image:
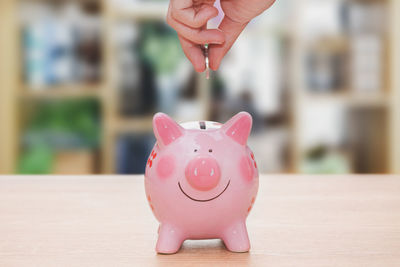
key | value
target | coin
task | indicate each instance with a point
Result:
(207, 61)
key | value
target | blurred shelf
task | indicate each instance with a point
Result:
(137, 10)
(133, 125)
(64, 91)
(351, 99)
(144, 10)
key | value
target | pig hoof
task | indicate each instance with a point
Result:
(169, 240)
(167, 250)
(237, 247)
(236, 238)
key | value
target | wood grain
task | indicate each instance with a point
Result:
(395, 84)
(9, 71)
(106, 221)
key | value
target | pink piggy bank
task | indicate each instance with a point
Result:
(201, 181)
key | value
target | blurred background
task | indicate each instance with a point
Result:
(81, 79)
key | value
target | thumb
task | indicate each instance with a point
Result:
(231, 29)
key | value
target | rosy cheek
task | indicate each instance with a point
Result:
(246, 169)
(165, 166)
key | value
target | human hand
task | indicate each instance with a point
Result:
(189, 18)
(238, 13)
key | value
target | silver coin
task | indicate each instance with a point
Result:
(207, 61)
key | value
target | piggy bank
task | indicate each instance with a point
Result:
(201, 181)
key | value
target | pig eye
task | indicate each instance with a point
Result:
(195, 150)
(210, 150)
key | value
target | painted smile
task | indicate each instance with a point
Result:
(204, 200)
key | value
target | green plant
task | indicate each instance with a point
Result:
(58, 125)
(160, 46)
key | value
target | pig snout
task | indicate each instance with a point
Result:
(203, 173)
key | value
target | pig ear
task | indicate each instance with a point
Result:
(238, 127)
(166, 129)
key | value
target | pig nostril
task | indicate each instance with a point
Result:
(203, 173)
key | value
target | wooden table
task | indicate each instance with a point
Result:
(106, 221)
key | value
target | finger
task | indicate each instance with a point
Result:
(194, 53)
(181, 4)
(231, 30)
(194, 19)
(198, 36)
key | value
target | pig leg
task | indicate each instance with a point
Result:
(236, 238)
(169, 239)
